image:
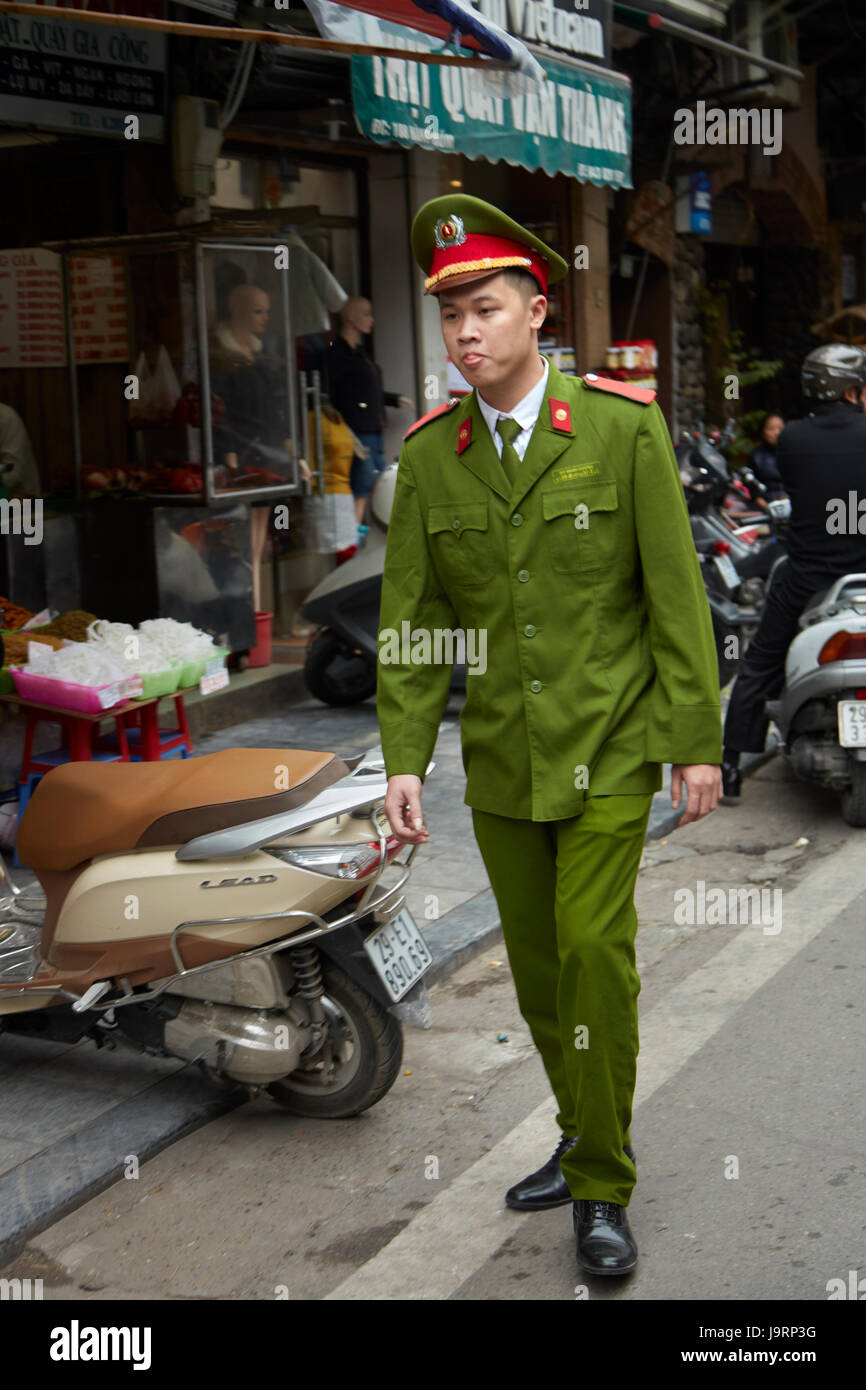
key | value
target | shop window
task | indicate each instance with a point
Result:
(253, 181)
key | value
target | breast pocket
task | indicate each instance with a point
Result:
(460, 542)
(581, 526)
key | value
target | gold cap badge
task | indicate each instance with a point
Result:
(449, 231)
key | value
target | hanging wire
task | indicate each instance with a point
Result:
(239, 81)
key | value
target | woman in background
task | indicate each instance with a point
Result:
(762, 459)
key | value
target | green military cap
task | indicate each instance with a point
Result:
(457, 238)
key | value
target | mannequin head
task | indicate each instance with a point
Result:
(356, 315)
(248, 310)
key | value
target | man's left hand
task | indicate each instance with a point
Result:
(703, 785)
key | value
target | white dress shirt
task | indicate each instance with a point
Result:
(525, 413)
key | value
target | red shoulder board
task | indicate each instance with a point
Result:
(620, 388)
(431, 415)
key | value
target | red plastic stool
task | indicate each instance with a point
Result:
(143, 733)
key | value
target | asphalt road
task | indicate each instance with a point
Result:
(748, 1116)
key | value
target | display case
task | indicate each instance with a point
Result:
(195, 337)
(191, 563)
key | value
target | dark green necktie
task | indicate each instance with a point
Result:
(509, 429)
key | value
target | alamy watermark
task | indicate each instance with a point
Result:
(732, 907)
(22, 518)
(846, 518)
(755, 125)
(438, 646)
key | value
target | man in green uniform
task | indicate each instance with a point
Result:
(544, 515)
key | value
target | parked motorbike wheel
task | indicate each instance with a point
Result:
(337, 675)
(367, 1046)
(854, 798)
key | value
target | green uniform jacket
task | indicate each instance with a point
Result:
(600, 658)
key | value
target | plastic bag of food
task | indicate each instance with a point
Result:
(164, 387)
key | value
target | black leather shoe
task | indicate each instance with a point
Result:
(547, 1187)
(731, 780)
(605, 1244)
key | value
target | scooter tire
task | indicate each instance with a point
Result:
(854, 799)
(322, 672)
(380, 1042)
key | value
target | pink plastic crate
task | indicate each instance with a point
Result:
(87, 699)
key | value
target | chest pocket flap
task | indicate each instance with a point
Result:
(594, 545)
(456, 517)
(460, 542)
(597, 497)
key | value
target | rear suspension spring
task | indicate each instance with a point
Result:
(308, 971)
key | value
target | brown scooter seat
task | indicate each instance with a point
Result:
(83, 809)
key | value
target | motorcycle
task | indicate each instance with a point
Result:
(190, 910)
(737, 549)
(340, 668)
(821, 713)
(715, 502)
(736, 590)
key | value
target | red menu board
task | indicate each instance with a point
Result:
(32, 323)
(97, 296)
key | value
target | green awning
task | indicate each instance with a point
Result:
(578, 123)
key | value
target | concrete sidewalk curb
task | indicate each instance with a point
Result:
(48, 1186)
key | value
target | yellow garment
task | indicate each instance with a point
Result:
(338, 446)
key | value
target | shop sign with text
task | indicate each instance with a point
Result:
(578, 122)
(578, 27)
(59, 74)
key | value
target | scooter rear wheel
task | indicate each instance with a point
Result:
(367, 1043)
(336, 674)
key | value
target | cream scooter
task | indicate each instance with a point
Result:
(231, 910)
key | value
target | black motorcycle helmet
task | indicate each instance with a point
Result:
(828, 371)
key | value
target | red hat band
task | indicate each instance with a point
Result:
(478, 255)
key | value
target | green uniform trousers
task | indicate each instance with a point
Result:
(565, 892)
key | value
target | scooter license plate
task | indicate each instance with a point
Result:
(399, 953)
(728, 570)
(852, 723)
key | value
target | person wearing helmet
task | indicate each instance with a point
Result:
(820, 458)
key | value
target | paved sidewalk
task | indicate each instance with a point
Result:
(66, 1111)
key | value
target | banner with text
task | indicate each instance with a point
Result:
(578, 122)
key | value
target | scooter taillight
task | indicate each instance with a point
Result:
(392, 848)
(340, 860)
(843, 646)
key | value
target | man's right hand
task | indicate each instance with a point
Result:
(403, 809)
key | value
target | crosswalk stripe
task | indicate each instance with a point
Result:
(466, 1223)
